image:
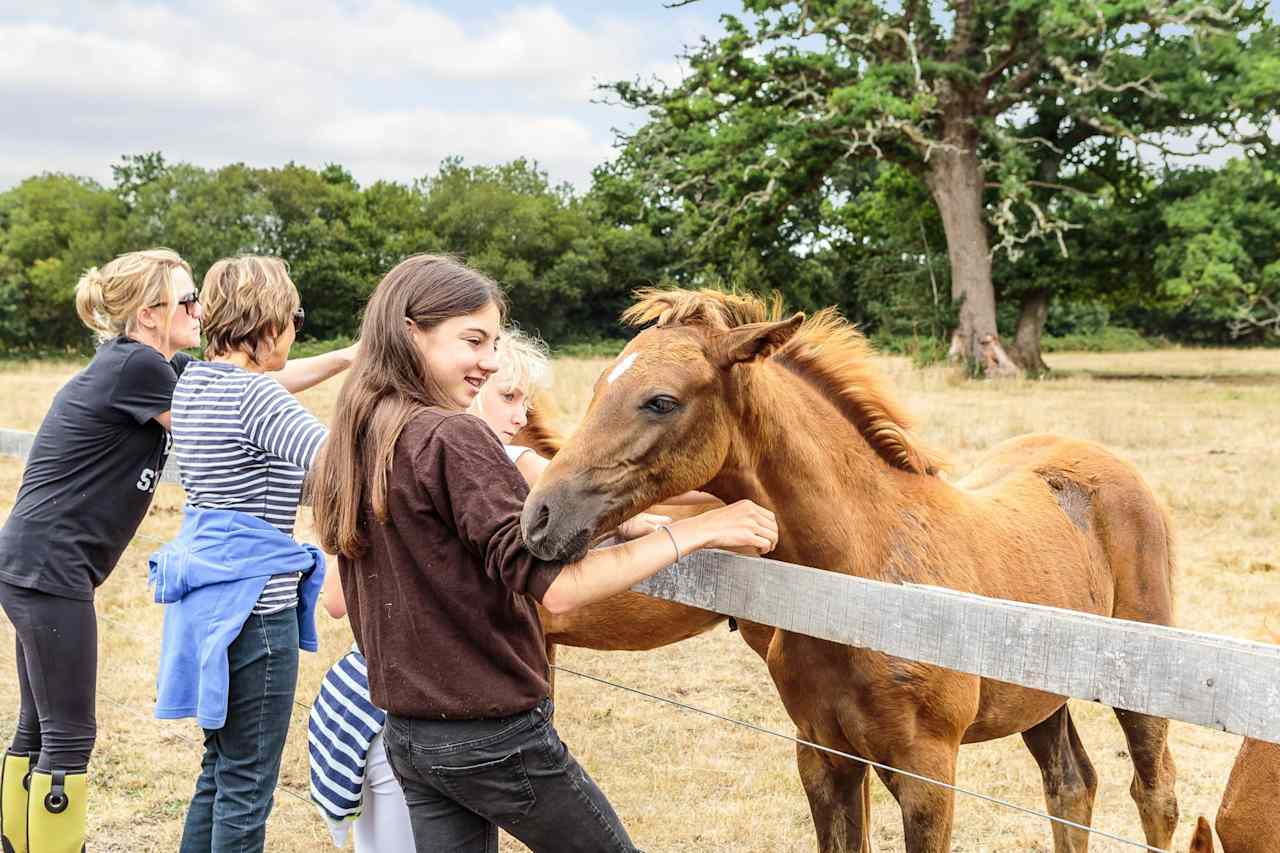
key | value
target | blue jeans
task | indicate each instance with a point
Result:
(228, 813)
(463, 779)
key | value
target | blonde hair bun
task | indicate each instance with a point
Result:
(108, 298)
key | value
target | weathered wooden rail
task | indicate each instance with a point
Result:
(1205, 679)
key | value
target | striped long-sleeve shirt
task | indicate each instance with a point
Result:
(245, 443)
(340, 730)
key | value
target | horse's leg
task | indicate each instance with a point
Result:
(1154, 774)
(839, 800)
(1069, 781)
(927, 809)
(757, 637)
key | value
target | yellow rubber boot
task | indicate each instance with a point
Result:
(56, 812)
(13, 802)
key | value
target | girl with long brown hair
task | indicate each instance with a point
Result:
(422, 504)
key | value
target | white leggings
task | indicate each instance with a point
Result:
(383, 824)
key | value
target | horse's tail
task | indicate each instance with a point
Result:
(866, 813)
(1171, 551)
(538, 433)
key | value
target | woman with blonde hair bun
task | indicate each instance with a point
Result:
(87, 484)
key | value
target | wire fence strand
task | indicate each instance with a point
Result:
(877, 765)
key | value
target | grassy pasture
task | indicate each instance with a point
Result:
(1200, 424)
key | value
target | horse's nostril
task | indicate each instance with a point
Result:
(537, 522)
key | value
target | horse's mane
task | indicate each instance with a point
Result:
(537, 433)
(827, 351)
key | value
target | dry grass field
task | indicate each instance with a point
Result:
(1201, 425)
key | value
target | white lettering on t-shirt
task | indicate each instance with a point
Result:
(147, 481)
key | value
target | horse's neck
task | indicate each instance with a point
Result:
(838, 505)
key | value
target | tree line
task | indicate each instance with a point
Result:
(1191, 255)
(565, 268)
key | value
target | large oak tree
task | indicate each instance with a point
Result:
(999, 107)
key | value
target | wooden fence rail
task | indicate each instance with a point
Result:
(1205, 679)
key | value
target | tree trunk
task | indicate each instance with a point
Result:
(1026, 342)
(955, 181)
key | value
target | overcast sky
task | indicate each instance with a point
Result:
(387, 88)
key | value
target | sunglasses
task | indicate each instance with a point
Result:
(189, 301)
(299, 319)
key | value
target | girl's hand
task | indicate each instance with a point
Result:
(640, 525)
(744, 527)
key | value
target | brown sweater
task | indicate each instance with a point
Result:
(440, 600)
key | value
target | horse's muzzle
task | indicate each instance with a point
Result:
(559, 522)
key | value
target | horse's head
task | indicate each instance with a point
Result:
(659, 423)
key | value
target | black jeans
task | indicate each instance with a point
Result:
(57, 676)
(463, 779)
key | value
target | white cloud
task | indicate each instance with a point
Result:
(388, 88)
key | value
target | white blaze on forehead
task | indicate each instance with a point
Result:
(621, 368)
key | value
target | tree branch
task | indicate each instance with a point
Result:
(962, 41)
(1247, 320)
(1015, 87)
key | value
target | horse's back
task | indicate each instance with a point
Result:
(1105, 499)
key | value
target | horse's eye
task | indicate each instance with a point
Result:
(661, 405)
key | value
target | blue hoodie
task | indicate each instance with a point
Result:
(211, 576)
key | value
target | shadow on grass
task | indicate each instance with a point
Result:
(1259, 377)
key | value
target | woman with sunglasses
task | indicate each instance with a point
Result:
(240, 590)
(87, 484)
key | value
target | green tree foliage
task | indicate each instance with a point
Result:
(568, 272)
(997, 107)
(1219, 269)
(52, 228)
(1190, 255)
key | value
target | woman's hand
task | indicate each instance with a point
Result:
(744, 527)
(641, 524)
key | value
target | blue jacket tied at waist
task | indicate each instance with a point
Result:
(211, 576)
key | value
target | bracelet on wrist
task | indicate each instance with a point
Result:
(672, 537)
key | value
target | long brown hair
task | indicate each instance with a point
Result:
(389, 384)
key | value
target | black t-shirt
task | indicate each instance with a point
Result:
(92, 471)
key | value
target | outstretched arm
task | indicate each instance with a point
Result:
(303, 373)
(743, 526)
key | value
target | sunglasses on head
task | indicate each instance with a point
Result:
(299, 319)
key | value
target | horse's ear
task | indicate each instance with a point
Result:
(752, 341)
(1202, 841)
